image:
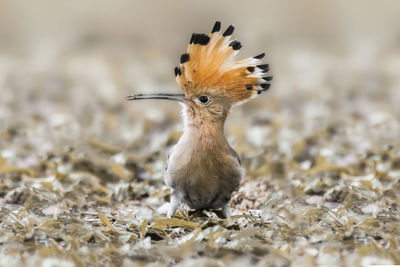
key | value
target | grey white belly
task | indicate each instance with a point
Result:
(203, 182)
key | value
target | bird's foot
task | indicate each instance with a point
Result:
(163, 209)
(226, 210)
(173, 206)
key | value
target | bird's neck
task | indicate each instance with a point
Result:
(205, 128)
(204, 139)
(203, 134)
(204, 123)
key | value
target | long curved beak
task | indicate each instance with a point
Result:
(174, 97)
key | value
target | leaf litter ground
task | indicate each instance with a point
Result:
(81, 170)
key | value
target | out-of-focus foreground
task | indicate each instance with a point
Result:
(81, 169)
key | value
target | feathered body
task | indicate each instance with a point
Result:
(202, 169)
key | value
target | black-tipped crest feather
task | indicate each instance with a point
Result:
(235, 45)
(217, 27)
(229, 31)
(199, 38)
(260, 56)
(184, 58)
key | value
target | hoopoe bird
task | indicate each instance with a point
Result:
(202, 169)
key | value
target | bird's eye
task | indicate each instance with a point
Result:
(203, 99)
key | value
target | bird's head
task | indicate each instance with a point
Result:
(212, 79)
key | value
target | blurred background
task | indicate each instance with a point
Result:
(325, 135)
(65, 67)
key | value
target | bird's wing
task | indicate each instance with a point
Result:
(236, 155)
(169, 154)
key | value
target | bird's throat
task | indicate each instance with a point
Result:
(202, 120)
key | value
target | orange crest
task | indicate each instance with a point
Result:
(209, 63)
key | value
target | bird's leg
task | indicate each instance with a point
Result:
(226, 210)
(173, 205)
